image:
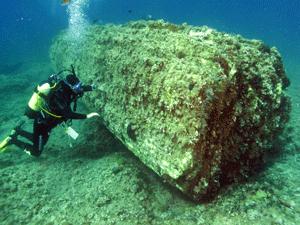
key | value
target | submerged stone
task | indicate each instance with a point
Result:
(197, 106)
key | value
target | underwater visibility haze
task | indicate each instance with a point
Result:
(192, 111)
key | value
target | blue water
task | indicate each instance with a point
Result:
(28, 26)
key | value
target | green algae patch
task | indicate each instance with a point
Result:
(199, 107)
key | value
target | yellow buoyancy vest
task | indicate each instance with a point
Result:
(38, 102)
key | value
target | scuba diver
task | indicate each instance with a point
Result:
(49, 106)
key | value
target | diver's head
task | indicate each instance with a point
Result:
(74, 84)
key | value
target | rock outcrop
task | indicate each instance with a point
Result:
(197, 106)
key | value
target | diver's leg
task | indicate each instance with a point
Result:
(40, 137)
(37, 146)
(12, 140)
(22, 145)
(37, 135)
(32, 149)
(19, 131)
(25, 134)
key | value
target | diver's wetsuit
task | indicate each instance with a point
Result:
(59, 103)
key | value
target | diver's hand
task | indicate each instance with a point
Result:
(93, 114)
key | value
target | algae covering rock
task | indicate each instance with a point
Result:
(199, 107)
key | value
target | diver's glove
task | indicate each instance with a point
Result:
(93, 114)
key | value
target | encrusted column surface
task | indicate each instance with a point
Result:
(197, 106)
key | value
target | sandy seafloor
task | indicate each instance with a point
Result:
(98, 181)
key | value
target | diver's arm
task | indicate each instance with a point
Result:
(87, 88)
(78, 116)
(69, 114)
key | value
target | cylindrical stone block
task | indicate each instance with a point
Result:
(197, 106)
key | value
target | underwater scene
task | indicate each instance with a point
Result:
(181, 112)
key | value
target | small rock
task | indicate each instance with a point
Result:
(103, 200)
(116, 169)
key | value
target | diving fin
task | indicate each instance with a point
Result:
(13, 134)
(5, 143)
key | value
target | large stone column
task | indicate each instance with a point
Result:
(197, 106)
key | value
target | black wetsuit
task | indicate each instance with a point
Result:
(59, 103)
